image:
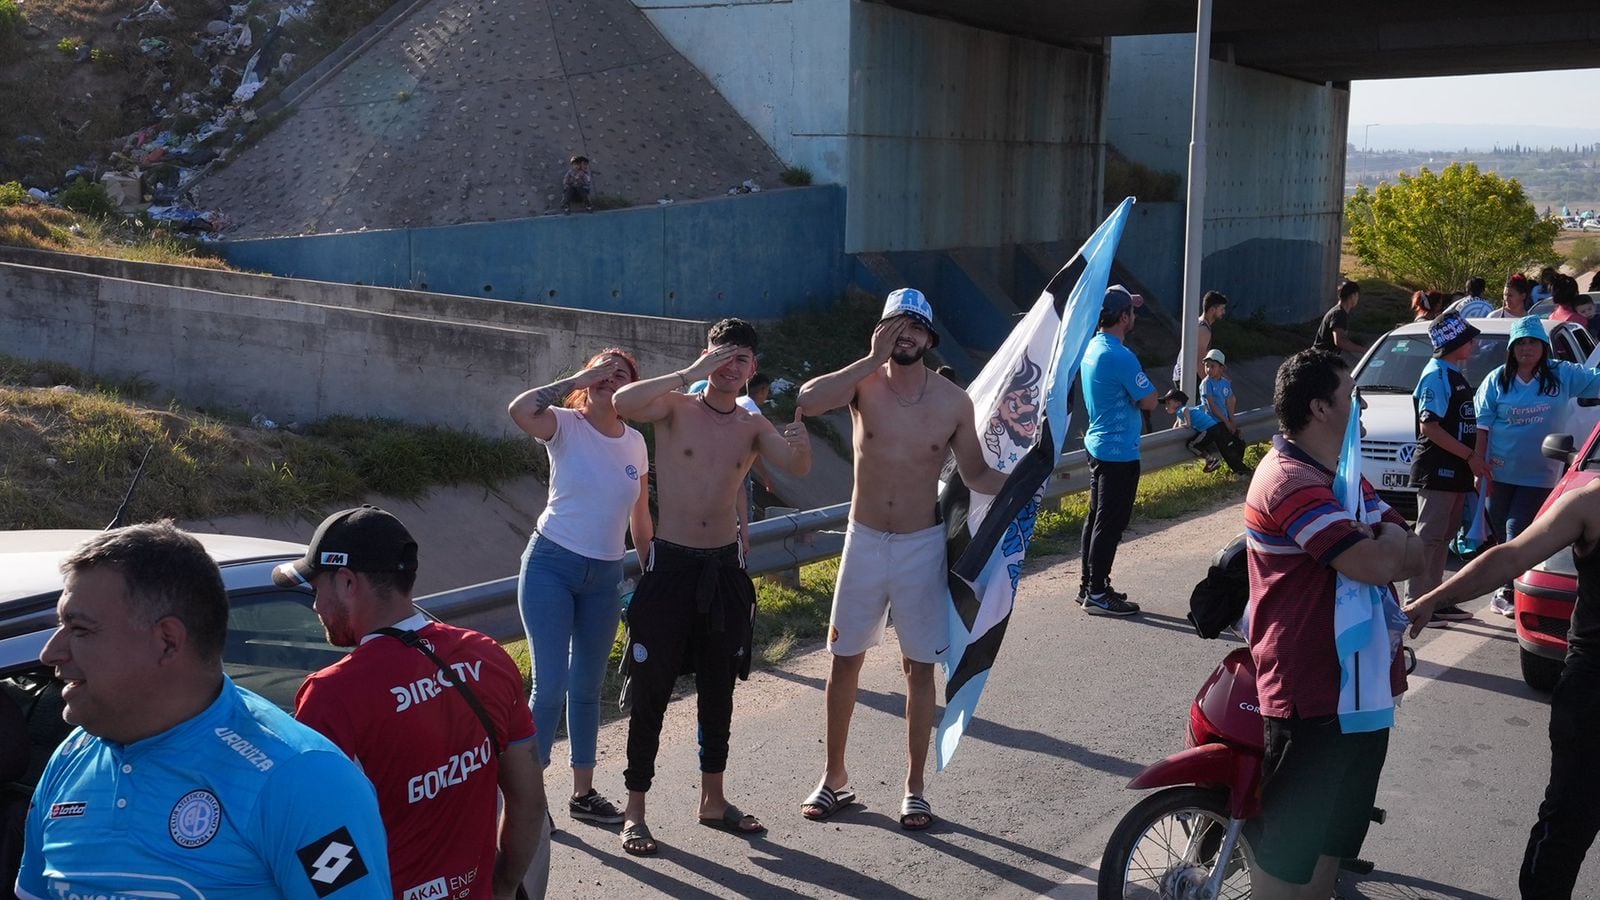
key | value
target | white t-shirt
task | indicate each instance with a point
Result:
(594, 482)
(748, 402)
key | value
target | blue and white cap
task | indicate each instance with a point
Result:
(910, 302)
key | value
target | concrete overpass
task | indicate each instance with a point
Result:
(1315, 40)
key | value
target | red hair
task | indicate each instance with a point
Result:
(580, 397)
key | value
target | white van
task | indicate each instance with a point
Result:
(1387, 375)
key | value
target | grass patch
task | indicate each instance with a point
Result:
(35, 226)
(795, 176)
(68, 454)
(1168, 493)
(1383, 306)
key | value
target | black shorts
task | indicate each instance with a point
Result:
(1318, 797)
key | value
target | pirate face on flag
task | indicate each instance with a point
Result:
(1015, 424)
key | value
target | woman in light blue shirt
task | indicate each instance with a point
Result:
(1518, 405)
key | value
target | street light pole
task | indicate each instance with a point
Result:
(1366, 136)
(1194, 218)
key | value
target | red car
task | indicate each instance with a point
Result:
(1545, 594)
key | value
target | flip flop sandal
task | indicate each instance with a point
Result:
(638, 841)
(732, 821)
(827, 801)
(911, 806)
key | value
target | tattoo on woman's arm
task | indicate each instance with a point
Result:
(545, 397)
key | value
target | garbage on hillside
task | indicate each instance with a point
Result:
(182, 217)
(781, 386)
(166, 162)
(749, 186)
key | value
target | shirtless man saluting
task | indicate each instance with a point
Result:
(906, 420)
(694, 604)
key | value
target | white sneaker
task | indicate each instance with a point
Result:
(1503, 605)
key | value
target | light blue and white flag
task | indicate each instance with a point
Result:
(1020, 403)
(1367, 621)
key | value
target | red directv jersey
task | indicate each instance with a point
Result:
(397, 715)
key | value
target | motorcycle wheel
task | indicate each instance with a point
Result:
(1165, 847)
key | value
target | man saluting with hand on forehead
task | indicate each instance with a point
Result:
(694, 605)
(906, 420)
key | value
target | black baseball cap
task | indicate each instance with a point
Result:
(363, 539)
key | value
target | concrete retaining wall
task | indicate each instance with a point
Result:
(301, 361)
(755, 256)
(945, 135)
(1274, 177)
(968, 138)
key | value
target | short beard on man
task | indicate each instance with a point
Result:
(908, 359)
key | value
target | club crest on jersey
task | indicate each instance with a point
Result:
(335, 559)
(195, 819)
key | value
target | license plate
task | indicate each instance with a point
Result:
(1396, 479)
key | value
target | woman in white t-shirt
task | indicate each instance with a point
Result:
(571, 581)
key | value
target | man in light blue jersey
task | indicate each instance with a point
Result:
(1115, 392)
(176, 783)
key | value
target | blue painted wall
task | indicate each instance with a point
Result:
(1152, 247)
(754, 255)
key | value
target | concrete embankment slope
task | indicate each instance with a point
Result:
(466, 110)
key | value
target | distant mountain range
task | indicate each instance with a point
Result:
(1475, 138)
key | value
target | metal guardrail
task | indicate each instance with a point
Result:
(786, 542)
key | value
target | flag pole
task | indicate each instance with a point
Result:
(1194, 219)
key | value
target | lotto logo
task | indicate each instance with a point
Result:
(331, 861)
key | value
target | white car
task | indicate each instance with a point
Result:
(1590, 225)
(1387, 375)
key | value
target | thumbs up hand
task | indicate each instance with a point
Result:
(796, 434)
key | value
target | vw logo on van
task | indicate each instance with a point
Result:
(1407, 453)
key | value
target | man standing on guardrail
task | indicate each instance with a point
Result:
(906, 421)
(435, 715)
(693, 608)
(1115, 392)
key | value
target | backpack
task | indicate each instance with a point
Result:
(1218, 602)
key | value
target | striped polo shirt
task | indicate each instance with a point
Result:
(1294, 528)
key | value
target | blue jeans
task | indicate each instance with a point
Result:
(1511, 509)
(570, 608)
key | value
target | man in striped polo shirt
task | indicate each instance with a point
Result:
(1320, 781)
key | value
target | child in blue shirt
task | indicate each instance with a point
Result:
(1210, 439)
(1216, 391)
(1518, 405)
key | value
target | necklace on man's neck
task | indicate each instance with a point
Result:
(901, 399)
(721, 412)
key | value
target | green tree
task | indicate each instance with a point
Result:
(1433, 231)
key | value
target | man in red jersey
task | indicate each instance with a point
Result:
(435, 715)
(1320, 779)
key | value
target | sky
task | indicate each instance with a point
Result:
(1477, 111)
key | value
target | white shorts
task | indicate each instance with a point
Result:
(881, 571)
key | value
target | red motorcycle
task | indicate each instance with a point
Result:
(1186, 842)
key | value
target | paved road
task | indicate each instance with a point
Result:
(1076, 707)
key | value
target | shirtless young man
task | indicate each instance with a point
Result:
(906, 419)
(694, 603)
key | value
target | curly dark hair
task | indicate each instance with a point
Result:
(1306, 376)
